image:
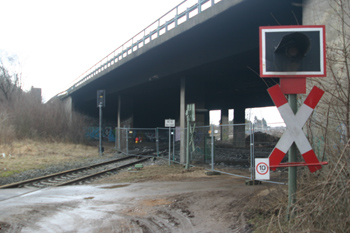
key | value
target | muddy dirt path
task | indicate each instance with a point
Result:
(200, 204)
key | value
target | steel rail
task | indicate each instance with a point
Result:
(100, 173)
(21, 183)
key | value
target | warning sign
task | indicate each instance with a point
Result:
(295, 123)
(170, 123)
(262, 169)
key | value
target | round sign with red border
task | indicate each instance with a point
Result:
(262, 168)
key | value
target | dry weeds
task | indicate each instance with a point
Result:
(322, 202)
(27, 154)
(174, 172)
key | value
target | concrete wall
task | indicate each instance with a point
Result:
(331, 117)
(68, 106)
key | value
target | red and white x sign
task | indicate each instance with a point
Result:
(294, 123)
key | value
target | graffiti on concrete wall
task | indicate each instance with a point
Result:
(107, 133)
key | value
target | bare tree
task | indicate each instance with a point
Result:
(324, 197)
(9, 83)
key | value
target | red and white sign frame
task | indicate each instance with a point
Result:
(296, 74)
(262, 174)
(294, 132)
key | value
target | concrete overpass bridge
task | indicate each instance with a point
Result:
(204, 52)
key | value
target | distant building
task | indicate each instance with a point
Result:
(36, 94)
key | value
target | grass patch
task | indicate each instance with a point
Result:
(9, 173)
(26, 155)
(174, 172)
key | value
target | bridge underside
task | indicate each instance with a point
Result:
(216, 53)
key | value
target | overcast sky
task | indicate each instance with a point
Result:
(56, 41)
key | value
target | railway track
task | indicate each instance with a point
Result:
(80, 175)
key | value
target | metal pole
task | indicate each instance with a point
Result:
(119, 140)
(157, 142)
(252, 159)
(188, 141)
(127, 141)
(212, 147)
(292, 157)
(169, 145)
(100, 130)
(119, 123)
(174, 144)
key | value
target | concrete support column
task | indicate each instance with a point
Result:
(224, 125)
(182, 120)
(239, 131)
(206, 118)
(127, 112)
(68, 105)
(201, 115)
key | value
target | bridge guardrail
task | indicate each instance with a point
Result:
(176, 16)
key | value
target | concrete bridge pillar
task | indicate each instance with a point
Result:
(239, 131)
(126, 111)
(68, 105)
(224, 125)
(202, 116)
(125, 119)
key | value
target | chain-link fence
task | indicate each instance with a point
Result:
(134, 141)
(229, 149)
(168, 145)
(160, 142)
(223, 148)
(265, 139)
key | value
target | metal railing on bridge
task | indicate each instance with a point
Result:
(176, 16)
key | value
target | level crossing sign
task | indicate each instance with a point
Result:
(294, 132)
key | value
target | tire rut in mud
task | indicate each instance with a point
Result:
(163, 221)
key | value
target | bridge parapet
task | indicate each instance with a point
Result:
(170, 20)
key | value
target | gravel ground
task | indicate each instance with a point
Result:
(55, 169)
(66, 166)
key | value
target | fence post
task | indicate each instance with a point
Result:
(212, 147)
(127, 141)
(117, 134)
(157, 142)
(187, 141)
(100, 130)
(119, 139)
(169, 145)
(174, 144)
(252, 157)
(116, 138)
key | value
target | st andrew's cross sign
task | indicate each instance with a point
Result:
(294, 132)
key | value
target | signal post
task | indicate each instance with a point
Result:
(293, 53)
(101, 102)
